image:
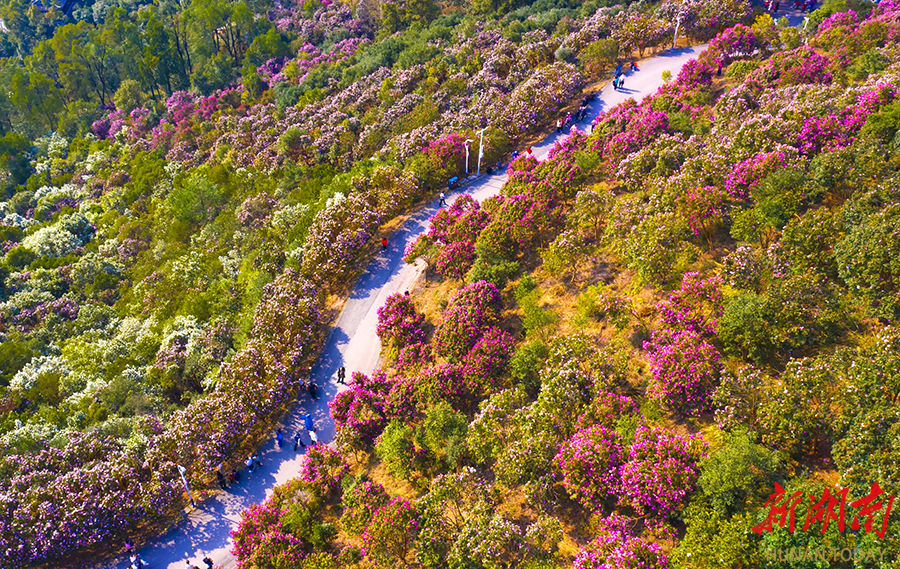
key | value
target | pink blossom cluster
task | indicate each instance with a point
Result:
(661, 470)
(399, 322)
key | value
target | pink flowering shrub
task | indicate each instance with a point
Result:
(518, 222)
(684, 370)
(736, 41)
(487, 362)
(442, 382)
(262, 540)
(542, 95)
(359, 503)
(470, 312)
(335, 238)
(703, 209)
(838, 19)
(796, 67)
(399, 322)
(361, 411)
(747, 174)
(661, 470)
(627, 128)
(446, 157)
(389, 537)
(256, 210)
(589, 464)
(455, 260)
(413, 356)
(696, 73)
(614, 550)
(696, 306)
(323, 467)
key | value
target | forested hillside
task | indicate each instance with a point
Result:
(188, 189)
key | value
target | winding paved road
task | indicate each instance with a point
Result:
(354, 344)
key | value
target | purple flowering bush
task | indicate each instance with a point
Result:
(399, 322)
(323, 467)
(684, 369)
(455, 260)
(589, 463)
(359, 502)
(471, 311)
(661, 470)
(389, 537)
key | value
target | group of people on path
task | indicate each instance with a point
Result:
(206, 561)
(804, 5)
(618, 81)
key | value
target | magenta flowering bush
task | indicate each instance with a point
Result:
(413, 356)
(359, 410)
(83, 494)
(323, 467)
(399, 322)
(684, 370)
(734, 42)
(800, 66)
(442, 382)
(262, 540)
(838, 19)
(256, 210)
(519, 222)
(747, 174)
(359, 503)
(455, 260)
(389, 537)
(486, 364)
(614, 550)
(703, 209)
(696, 73)
(471, 311)
(627, 128)
(538, 98)
(696, 306)
(335, 238)
(446, 155)
(589, 463)
(661, 470)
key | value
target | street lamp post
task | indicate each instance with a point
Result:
(678, 22)
(181, 471)
(480, 150)
(467, 156)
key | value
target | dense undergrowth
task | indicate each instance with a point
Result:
(619, 359)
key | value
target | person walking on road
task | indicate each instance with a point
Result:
(342, 371)
(307, 422)
(622, 82)
(312, 388)
(220, 478)
(298, 442)
(249, 463)
(443, 202)
(384, 244)
(558, 125)
(615, 83)
(208, 562)
(314, 438)
(279, 439)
